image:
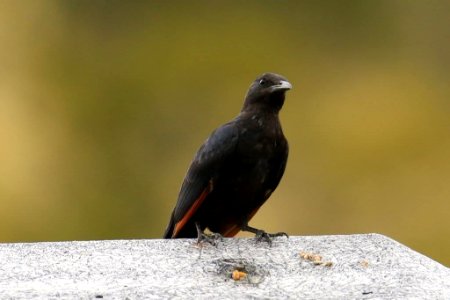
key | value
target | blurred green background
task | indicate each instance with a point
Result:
(104, 103)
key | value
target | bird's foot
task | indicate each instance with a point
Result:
(210, 238)
(262, 236)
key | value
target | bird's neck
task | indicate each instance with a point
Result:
(258, 112)
(271, 104)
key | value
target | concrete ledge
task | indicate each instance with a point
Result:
(367, 266)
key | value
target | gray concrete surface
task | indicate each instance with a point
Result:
(368, 266)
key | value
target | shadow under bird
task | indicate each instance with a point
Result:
(236, 170)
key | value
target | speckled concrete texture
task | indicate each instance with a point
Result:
(369, 266)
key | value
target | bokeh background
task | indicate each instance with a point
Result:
(104, 103)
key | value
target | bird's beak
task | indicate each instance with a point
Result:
(281, 86)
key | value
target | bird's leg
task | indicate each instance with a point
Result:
(261, 235)
(204, 237)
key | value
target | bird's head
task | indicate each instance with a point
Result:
(267, 92)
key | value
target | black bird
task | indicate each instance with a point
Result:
(237, 168)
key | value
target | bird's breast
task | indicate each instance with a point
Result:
(258, 153)
(261, 141)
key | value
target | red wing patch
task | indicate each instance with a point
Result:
(232, 231)
(180, 224)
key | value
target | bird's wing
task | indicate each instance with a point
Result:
(199, 180)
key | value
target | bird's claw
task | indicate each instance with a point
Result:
(262, 236)
(209, 238)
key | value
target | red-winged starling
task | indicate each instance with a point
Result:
(236, 169)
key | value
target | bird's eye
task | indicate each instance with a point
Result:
(262, 82)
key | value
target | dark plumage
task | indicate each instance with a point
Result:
(237, 168)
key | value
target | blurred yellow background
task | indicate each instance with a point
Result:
(104, 103)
